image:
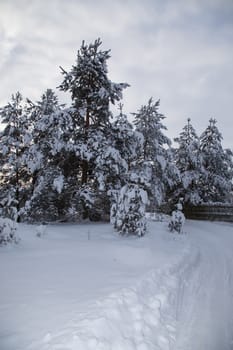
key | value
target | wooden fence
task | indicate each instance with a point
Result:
(213, 212)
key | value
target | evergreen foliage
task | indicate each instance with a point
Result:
(126, 139)
(14, 143)
(78, 162)
(91, 90)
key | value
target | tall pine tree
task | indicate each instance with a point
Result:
(92, 93)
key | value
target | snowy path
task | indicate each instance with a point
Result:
(205, 294)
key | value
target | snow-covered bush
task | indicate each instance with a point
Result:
(41, 230)
(177, 220)
(8, 230)
(128, 213)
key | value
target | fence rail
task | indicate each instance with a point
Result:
(215, 212)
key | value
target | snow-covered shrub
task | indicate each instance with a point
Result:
(8, 230)
(177, 220)
(41, 230)
(128, 213)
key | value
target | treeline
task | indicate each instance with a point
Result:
(76, 162)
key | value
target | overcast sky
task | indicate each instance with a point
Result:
(180, 52)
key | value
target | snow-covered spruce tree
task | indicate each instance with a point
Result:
(128, 211)
(46, 123)
(216, 182)
(14, 142)
(126, 139)
(128, 142)
(120, 152)
(48, 158)
(156, 153)
(189, 162)
(92, 94)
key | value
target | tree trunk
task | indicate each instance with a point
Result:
(84, 171)
(85, 162)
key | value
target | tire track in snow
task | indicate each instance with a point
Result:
(139, 318)
(228, 288)
(205, 312)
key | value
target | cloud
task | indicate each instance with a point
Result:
(179, 51)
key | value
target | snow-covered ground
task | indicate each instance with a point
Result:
(82, 287)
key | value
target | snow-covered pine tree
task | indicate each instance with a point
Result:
(92, 93)
(48, 158)
(189, 162)
(216, 183)
(156, 152)
(14, 142)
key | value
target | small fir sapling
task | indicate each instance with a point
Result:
(177, 219)
(128, 212)
(41, 230)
